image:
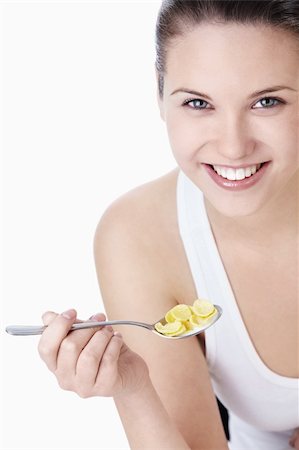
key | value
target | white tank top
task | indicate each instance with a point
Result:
(263, 406)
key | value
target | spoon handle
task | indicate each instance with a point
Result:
(23, 330)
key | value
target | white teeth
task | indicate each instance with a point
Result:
(233, 174)
(240, 174)
(223, 172)
(230, 174)
(247, 172)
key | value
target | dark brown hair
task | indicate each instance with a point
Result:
(177, 16)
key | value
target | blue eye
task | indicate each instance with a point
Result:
(268, 102)
(196, 103)
(199, 104)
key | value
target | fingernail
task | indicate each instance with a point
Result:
(96, 317)
(69, 314)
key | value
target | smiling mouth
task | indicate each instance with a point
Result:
(236, 174)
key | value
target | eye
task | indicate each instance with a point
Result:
(196, 103)
(268, 102)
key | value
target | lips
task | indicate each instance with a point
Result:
(236, 178)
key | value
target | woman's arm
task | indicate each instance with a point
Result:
(147, 423)
(140, 280)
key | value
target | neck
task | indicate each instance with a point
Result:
(279, 218)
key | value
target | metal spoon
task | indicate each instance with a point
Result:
(19, 330)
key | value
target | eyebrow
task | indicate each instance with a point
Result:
(254, 94)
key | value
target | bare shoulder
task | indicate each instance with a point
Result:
(139, 233)
(142, 213)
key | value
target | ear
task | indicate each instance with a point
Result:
(159, 99)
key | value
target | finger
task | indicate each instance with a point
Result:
(90, 358)
(53, 335)
(108, 371)
(72, 346)
(98, 317)
(48, 317)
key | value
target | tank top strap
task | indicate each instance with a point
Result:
(197, 236)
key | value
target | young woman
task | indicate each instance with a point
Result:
(223, 226)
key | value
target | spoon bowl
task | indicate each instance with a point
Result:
(23, 330)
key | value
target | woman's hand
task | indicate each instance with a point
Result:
(294, 441)
(91, 362)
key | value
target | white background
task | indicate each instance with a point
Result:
(81, 126)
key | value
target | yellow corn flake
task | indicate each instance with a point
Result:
(196, 321)
(180, 331)
(188, 324)
(204, 318)
(183, 318)
(203, 308)
(169, 317)
(171, 329)
(212, 313)
(181, 312)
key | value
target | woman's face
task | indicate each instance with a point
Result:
(230, 104)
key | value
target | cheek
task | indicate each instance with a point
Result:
(283, 138)
(186, 137)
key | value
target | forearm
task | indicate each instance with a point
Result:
(147, 423)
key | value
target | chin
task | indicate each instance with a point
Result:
(237, 204)
(235, 209)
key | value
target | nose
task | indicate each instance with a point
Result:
(235, 141)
